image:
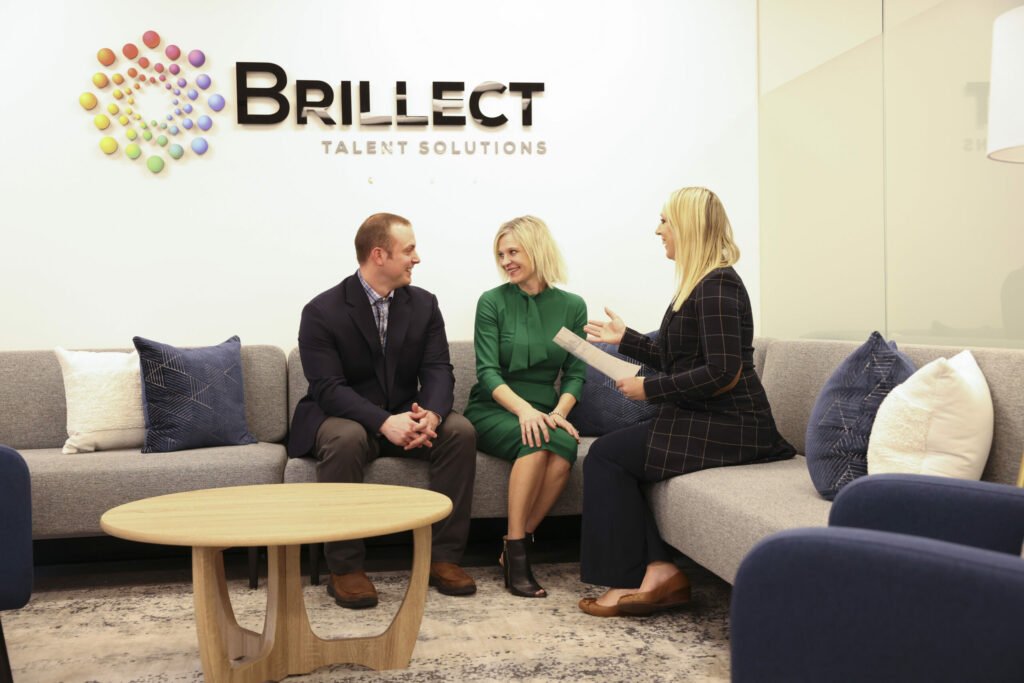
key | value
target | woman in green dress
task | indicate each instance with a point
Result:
(518, 414)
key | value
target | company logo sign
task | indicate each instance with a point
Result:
(492, 106)
(153, 102)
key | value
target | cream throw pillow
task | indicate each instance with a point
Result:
(938, 422)
(103, 391)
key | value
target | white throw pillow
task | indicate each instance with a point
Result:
(938, 422)
(103, 391)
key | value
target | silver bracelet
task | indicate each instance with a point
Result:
(555, 412)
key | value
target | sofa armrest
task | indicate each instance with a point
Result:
(975, 513)
(842, 604)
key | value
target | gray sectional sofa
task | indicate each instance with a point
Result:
(714, 516)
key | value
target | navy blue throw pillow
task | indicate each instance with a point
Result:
(840, 424)
(192, 398)
(603, 408)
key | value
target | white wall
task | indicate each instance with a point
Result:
(640, 99)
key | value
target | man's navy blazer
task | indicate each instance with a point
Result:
(349, 376)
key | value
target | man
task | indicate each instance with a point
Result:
(375, 353)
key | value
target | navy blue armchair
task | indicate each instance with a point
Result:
(15, 541)
(915, 579)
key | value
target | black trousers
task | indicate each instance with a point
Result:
(619, 537)
(344, 447)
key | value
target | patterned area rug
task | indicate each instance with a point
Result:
(146, 632)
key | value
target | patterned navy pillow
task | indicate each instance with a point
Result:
(602, 407)
(192, 398)
(840, 424)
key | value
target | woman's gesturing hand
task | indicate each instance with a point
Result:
(608, 332)
(533, 424)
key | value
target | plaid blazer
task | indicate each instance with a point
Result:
(712, 409)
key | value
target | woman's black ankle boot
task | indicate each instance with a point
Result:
(518, 576)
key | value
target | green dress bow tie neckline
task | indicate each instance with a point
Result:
(527, 349)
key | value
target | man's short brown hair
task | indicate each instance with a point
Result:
(376, 232)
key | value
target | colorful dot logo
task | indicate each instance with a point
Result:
(134, 82)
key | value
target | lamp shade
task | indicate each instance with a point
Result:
(1006, 93)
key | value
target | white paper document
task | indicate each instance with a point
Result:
(616, 368)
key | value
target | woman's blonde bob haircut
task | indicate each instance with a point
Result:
(702, 235)
(535, 239)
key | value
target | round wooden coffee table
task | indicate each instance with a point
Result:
(282, 517)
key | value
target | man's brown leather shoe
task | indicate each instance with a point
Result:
(353, 590)
(449, 579)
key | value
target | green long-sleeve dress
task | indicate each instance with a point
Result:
(513, 341)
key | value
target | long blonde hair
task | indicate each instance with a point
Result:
(702, 235)
(535, 239)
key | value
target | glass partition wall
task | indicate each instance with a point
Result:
(879, 209)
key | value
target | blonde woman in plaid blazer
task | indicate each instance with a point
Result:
(712, 411)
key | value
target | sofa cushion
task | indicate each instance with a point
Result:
(32, 409)
(103, 392)
(602, 407)
(71, 493)
(463, 358)
(716, 516)
(761, 345)
(938, 422)
(840, 424)
(265, 381)
(793, 374)
(192, 398)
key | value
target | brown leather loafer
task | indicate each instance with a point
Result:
(672, 593)
(590, 606)
(353, 590)
(449, 579)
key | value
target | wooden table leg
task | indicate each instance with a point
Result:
(288, 645)
(221, 639)
(393, 648)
